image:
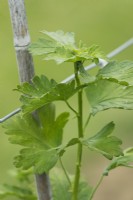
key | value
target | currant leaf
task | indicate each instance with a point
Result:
(126, 161)
(40, 137)
(61, 188)
(61, 47)
(102, 142)
(106, 94)
(119, 71)
(43, 91)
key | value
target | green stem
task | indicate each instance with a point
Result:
(87, 121)
(96, 187)
(65, 172)
(71, 108)
(80, 135)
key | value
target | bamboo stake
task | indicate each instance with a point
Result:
(21, 40)
(26, 72)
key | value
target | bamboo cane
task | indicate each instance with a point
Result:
(26, 72)
(21, 40)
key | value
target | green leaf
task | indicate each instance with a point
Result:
(22, 176)
(40, 137)
(56, 46)
(105, 94)
(124, 160)
(103, 143)
(61, 38)
(91, 53)
(16, 191)
(23, 179)
(43, 91)
(61, 47)
(120, 71)
(61, 188)
(84, 191)
(38, 87)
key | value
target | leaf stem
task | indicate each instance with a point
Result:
(96, 187)
(65, 172)
(87, 121)
(71, 108)
(80, 135)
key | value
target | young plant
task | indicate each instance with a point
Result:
(40, 132)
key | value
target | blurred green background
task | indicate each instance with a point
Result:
(106, 23)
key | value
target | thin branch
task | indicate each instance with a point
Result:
(71, 108)
(87, 121)
(96, 187)
(113, 53)
(65, 172)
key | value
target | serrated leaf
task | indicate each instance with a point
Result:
(38, 87)
(43, 91)
(120, 71)
(103, 143)
(40, 158)
(52, 41)
(91, 53)
(105, 94)
(61, 47)
(61, 188)
(124, 160)
(23, 179)
(56, 46)
(22, 176)
(62, 54)
(40, 137)
(16, 191)
(62, 38)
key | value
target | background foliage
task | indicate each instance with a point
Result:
(106, 23)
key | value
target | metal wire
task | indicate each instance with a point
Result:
(10, 115)
(102, 63)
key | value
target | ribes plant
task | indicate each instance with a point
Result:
(40, 132)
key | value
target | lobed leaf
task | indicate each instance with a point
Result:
(60, 186)
(61, 189)
(41, 159)
(43, 91)
(124, 160)
(61, 38)
(61, 47)
(106, 94)
(40, 137)
(120, 71)
(25, 192)
(38, 86)
(56, 46)
(16, 191)
(103, 143)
